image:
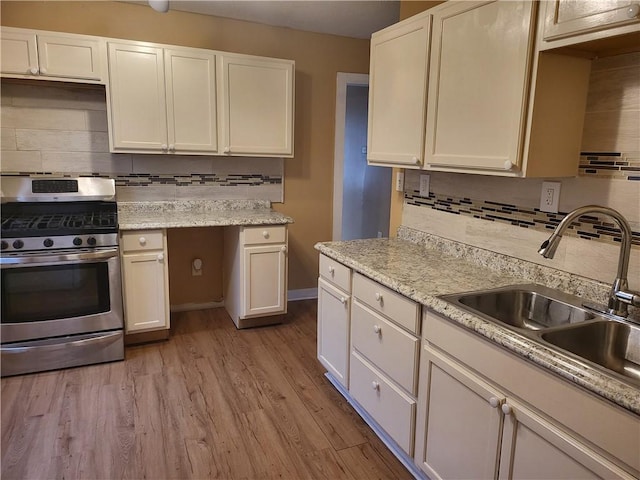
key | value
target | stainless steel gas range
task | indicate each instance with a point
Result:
(60, 267)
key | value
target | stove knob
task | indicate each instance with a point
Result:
(91, 241)
(77, 241)
(4, 245)
(48, 242)
(17, 244)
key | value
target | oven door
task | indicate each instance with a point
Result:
(50, 294)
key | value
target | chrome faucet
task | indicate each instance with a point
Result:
(620, 296)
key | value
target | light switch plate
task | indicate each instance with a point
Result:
(424, 185)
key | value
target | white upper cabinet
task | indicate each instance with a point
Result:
(53, 56)
(480, 64)
(398, 93)
(569, 18)
(162, 100)
(257, 102)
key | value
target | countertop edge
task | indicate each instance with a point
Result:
(571, 370)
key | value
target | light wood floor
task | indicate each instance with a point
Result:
(211, 402)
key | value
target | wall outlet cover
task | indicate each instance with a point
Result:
(400, 182)
(424, 185)
(550, 197)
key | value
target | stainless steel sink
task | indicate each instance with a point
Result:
(560, 322)
(524, 307)
(610, 344)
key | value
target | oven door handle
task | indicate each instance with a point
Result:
(65, 257)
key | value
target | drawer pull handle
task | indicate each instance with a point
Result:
(377, 330)
(378, 297)
(265, 234)
(332, 270)
(142, 240)
(506, 409)
(375, 385)
(494, 402)
(343, 300)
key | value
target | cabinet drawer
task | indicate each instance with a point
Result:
(387, 346)
(265, 234)
(393, 410)
(140, 240)
(335, 273)
(396, 307)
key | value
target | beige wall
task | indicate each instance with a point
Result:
(308, 176)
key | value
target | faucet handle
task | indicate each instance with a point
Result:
(630, 298)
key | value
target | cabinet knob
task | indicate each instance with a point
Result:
(33, 70)
(377, 330)
(142, 241)
(172, 147)
(163, 146)
(494, 402)
(160, 257)
(415, 160)
(633, 10)
(378, 297)
(343, 300)
(375, 385)
(43, 71)
(508, 165)
(283, 248)
(506, 409)
(332, 270)
(265, 234)
(227, 150)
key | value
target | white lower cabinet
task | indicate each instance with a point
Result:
(469, 427)
(333, 330)
(145, 277)
(255, 274)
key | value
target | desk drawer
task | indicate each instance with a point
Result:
(393, 410)
(394, 306)
(141, 240)
(265, 234)
(336, 273)
(387, 346)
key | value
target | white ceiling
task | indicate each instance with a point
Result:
(358, 19)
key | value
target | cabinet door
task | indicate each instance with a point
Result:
(137, 98)
(333, 331)
(146, 299)
(19, 53)
(534, 448)
(461, 423)
(265, 280)
(65, 56)
(397, 93)
(191, 101)
(478, 85)
(258, 106)
(565, 18)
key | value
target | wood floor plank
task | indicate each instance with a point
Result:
(210, 402)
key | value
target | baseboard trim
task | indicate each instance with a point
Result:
(302, 294)
(187, 307)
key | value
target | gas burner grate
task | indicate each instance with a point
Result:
(55, 221)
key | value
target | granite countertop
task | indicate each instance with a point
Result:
(423, 272)
(197, 213)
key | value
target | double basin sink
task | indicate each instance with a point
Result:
(560, 322)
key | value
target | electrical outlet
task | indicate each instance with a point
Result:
(550, 197)
(400, 182)
(424, 185)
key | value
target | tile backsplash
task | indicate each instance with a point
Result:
(59, 129)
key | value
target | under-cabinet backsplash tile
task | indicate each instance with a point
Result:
(588, 227)
(624, 166)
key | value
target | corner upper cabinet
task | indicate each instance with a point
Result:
(162, 100)
(497, 106)
(42, 55)
(568, 18)
(398, 93)
(257, 102)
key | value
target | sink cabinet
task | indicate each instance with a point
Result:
(485, 413)
(52, 56)
(145, 278)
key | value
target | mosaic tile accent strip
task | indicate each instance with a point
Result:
(588, 227)
(144, 180)
(623, 166)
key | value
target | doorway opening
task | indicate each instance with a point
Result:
(361, 193)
